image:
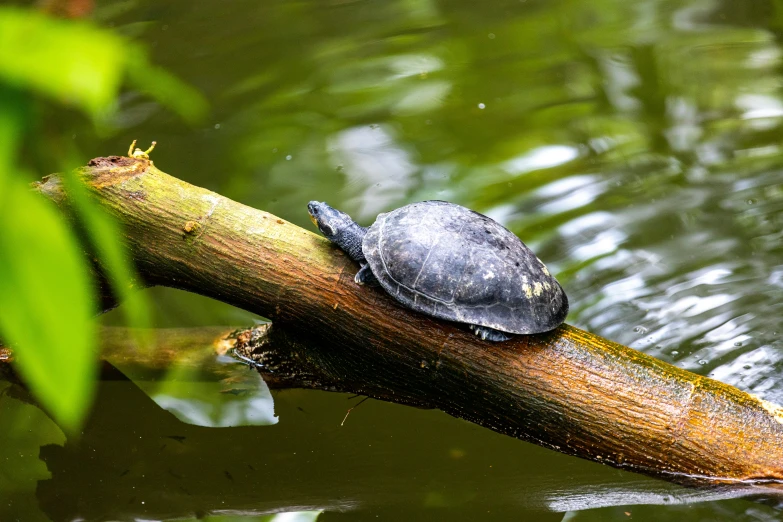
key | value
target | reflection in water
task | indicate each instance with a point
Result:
(377, 169)
(541, 158)
(212, 405)
(630, 494)
(296, 516)
(568, 194)
(154, 467)
(197, 386)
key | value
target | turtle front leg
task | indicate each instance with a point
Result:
(489, 334)
(365, 276)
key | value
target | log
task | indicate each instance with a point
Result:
(567, 390)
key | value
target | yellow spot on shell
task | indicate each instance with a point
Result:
(537, 289)
(547, 285)
(543, 266)
(528, 291)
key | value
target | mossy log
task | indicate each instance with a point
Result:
(568, 390)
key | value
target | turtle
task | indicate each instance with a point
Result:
(450, 262)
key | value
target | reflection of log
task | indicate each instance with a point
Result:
(171, 346)
(135, 461)
(567, 390)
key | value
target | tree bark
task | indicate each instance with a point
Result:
(568, 390)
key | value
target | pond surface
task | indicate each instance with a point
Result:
(634, 145)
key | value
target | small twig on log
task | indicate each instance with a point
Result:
(351, 409)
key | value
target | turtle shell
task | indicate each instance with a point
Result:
(453, 263)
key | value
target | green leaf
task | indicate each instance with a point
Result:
(106, 235)
(46, 303)
(74, 62)
(13, 113)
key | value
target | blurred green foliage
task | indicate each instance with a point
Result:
(73, 62)
(46, 291)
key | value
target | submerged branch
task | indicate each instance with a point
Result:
(568, 390)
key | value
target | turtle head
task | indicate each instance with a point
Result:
(329, 221)
(338, 227)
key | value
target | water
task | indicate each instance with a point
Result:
(634, 145)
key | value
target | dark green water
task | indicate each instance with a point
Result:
(634, 145)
